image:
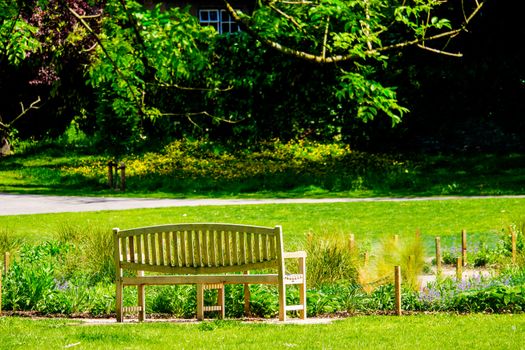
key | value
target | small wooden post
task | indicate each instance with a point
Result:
(0, 294)
(464, 247)
(459, 269)
(122, 168)
(115, 176)
(6, 263)
(397, 281)
(438, 256)
(110, 174)
(366, 259)
(351, 242)
(513, 241)
(396, 239)
(3, 272)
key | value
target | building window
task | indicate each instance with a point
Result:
(219, 19)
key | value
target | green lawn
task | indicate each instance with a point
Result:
(442, 331)
(483, 219)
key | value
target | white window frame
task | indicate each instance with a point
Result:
(220, 19)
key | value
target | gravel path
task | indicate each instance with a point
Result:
(14, 204)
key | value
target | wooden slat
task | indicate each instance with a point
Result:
(294, 307)
(235, 248)
(154, 248)
(205, 248)
(193, 226)
(265, 247)
(273, 247)
(214, 246)
(176, 254)
(131, 245)
(191, 250)
(160, 242)
(183, 247)
(147, 251)
(228, 245)
(257, 247)
(196, 249)
(123, 250)
(242, 247)
(221, 249)
(249, 248)
(140, 249)
(202, 279)
(169, 248)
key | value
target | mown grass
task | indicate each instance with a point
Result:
(440, 331)
(192, 169)
(484, 219)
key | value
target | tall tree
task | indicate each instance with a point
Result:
(359, 36)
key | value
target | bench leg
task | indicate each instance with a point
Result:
(118, 300)
(246, 297)
(200, 301)
(221, 302)
(141, 302)
(282, 301)
(141, 298)
(302, 288)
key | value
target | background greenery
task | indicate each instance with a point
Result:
(249, 92)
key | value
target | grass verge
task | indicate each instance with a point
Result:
(484, 219)
(440, 331)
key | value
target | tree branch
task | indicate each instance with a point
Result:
(446, 53)
(24, 111)
(342, 57)
(186, 88)
(205, 113)
(284, 14)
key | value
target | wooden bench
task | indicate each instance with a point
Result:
(207, 255)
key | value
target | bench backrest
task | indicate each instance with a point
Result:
(198, 248)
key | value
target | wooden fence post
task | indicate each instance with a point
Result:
(351, 242)
(110, 174)
(464, 247)
(397, 281)
(513, 242)
(3, 272)
(438, 256)
(6, 263)
(459, 269)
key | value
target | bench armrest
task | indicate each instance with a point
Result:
(298, 254)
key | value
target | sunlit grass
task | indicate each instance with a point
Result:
(443, 331)
(484, 219)
(193, 169)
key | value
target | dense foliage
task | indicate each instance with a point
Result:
(130, 76)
